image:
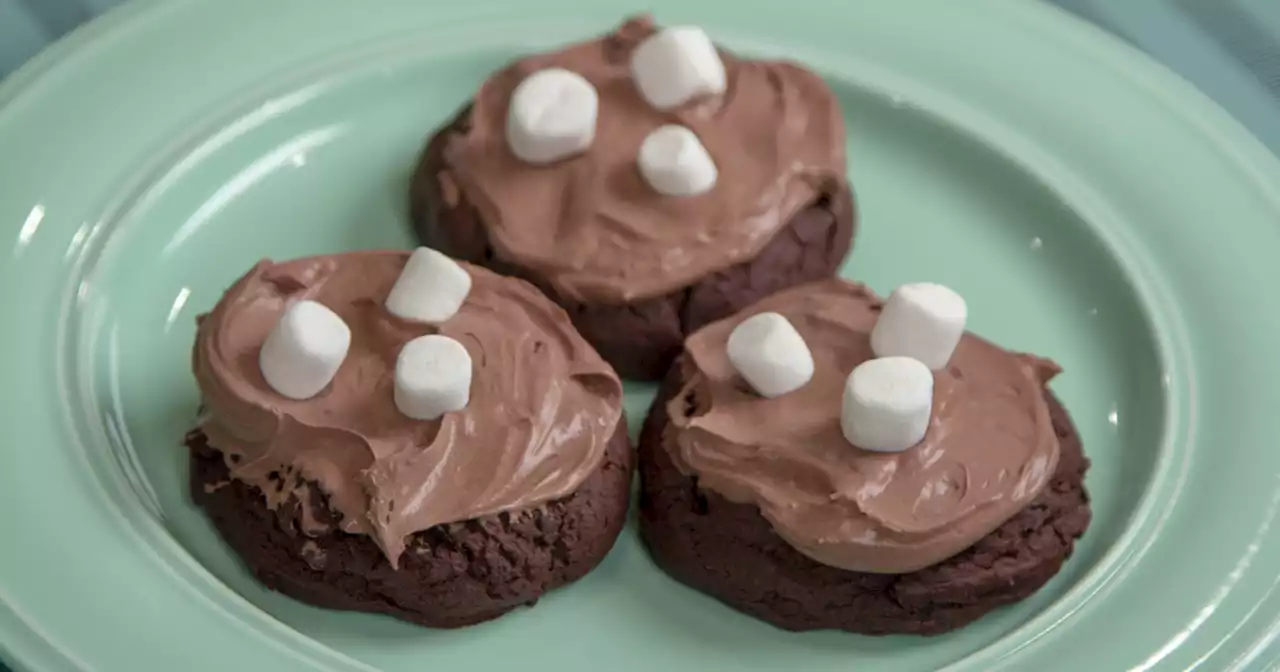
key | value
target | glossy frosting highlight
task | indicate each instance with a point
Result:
(989, 450)
(594, 228)
(543, 404)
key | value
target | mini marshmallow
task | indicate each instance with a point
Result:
(433, 377)
(676, 65)
(552, 116)
(887, 403)
(431, 288)
(674, 162)
(921, 320)
(304, 350)
(770, 355)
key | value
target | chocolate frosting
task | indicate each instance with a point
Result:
(543, 404)
(594, 229)
(990, 447)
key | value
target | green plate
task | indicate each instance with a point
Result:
(1090, 205)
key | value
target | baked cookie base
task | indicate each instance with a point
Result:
(450, 576)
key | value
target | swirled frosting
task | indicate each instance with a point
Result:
(593, 228)
(543, 404)
(989, 450)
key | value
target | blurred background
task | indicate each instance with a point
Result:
(1228, 48)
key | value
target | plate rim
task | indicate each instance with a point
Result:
(1161, 85)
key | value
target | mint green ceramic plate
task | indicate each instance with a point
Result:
(1091, 206)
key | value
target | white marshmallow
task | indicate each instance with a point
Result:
(431, 288)
(433, 377)
(552, 116)
(770, 354)
(674, 162)
(676, 65)
(921, 320)
(304, 350)
(887, 403)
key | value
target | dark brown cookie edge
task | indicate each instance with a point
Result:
(450, 576)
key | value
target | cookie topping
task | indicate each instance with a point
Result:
(304, 350)
(605, 225)
(988, 447)
(770, 355)
(923, 320)
(530, 426)
(433, 377)
(674, 162)
(887, 403)
(431, 288)
(552, 116)
(675, 66)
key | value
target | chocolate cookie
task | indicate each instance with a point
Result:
(729, 551)
(450, 576)
(402, 433)
(638, 322)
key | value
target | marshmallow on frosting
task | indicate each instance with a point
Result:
(922, 320)
(674, 162)
(552, 116)
(431, 288)
(770, 355)
(433, 377)
(887, 404)
(676, 65)
(304, 350)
